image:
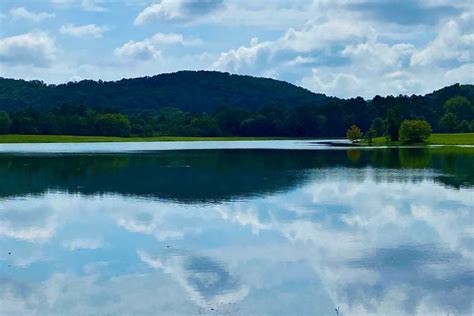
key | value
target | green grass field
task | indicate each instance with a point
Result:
(94, 139)
(434, 139)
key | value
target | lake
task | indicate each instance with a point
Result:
(241, 228)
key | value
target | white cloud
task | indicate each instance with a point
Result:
(75, 78)
(83, 31)
(454, 41)
(378, 68)
(336, 84)
(86, 5)
(327, 46)
(167, 10)
(23, 13)
(82, 243)
(149, 48)
(316, 35)
(300, 60)
(143, 50)
(35, 48)
(464, 73)
(92, 5)
(176, 9)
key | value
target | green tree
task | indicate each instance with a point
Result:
(205, 126)
(378, 126)
(5, 122)
(471, 126)
(392, 123)
(229, 120)
(463, 127)
(354, 133)
(257, 125)
(414, 131)
(449, 122)
(370, 135)
(48, 123)
(460, 106)
(113, 125)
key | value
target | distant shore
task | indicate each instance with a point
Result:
(434, 139)
(21, 139)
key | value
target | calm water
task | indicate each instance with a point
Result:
(298, 230)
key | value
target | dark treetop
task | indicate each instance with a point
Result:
(195, 91)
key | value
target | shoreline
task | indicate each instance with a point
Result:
(38, 139)
(434, 139)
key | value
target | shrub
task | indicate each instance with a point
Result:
(354, 133)
(414, 131)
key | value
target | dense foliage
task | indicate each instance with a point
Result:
(354, 133)
(414, 131)
(218, 104)
(195, 91)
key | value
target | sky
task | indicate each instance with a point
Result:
(338, 47)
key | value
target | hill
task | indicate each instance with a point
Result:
(193, 91)
(206, 103)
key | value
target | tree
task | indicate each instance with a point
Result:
(414, 131)
(113, 125)
(449, 122)
(463, 127)
(229, 120)
(5, 122)
(370, 135)
(205, 126)
(378, 126)
(257, 125)
(354, 133)
(392, 123)
(459, 106)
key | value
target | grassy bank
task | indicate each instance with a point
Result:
(434, 139)
(94, 139)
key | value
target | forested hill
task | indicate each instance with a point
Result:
(193, 91)
(203, 103)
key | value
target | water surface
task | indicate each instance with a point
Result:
(254, 231)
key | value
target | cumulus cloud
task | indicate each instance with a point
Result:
(86, 5)
(464, 73)
(371, 57)
(454, 42)
(343, 48)
(82, 243)
(406, 12)
(83, 31)
(316, 35)
(23, 13)
(35, 48)
(150, 48)
(176, 9)
(92, 5)
(346, 55)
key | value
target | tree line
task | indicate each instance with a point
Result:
(382, 116)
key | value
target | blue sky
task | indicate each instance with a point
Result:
(338, 47)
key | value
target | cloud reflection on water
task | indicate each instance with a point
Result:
(347, 238)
